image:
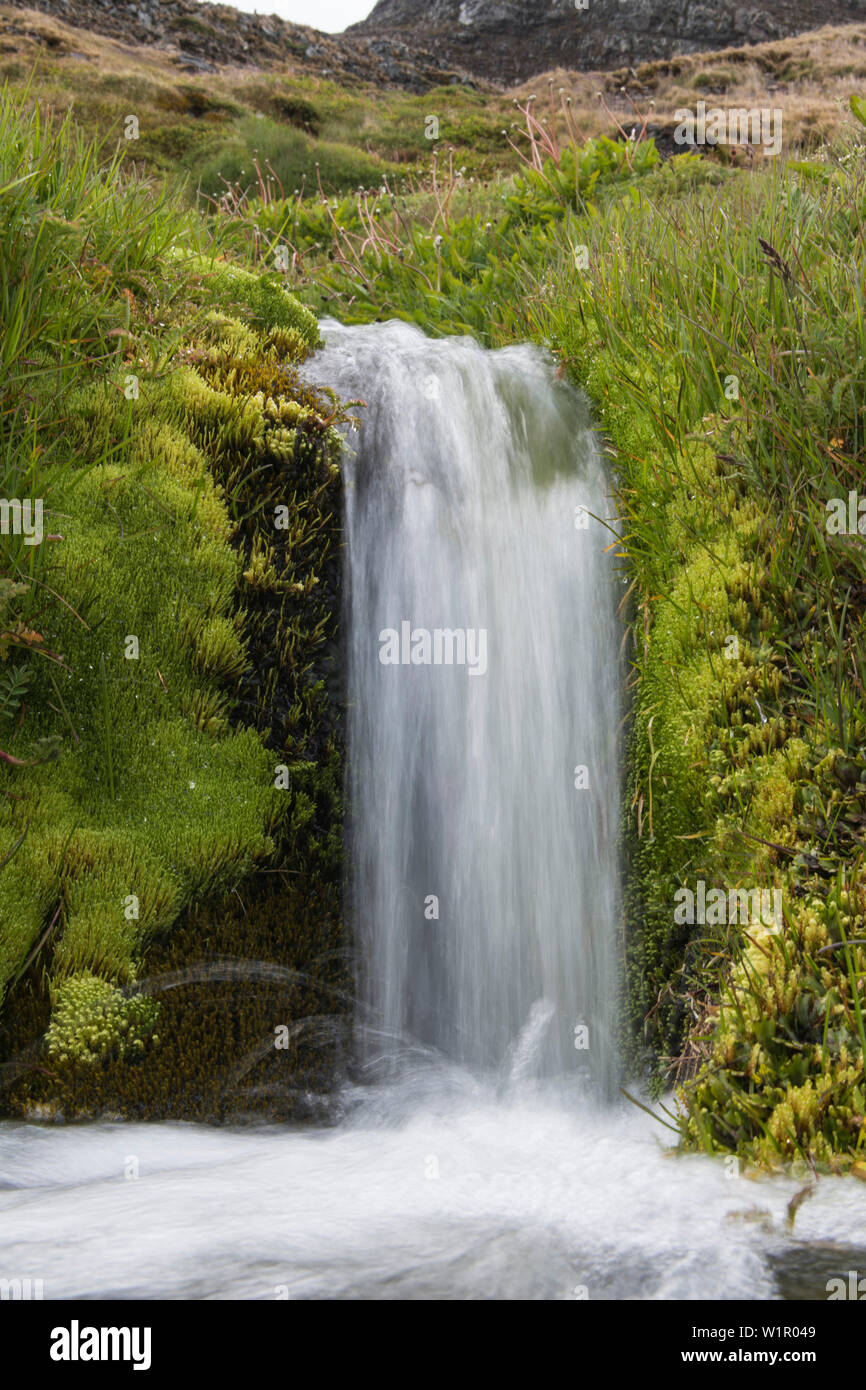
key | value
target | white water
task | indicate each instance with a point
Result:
(461, 515)
(533, 1199)
(484, 1158)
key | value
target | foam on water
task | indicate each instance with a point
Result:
(449, 1192)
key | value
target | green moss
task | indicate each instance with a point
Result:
(93, 1020)
(784, 1079)
(265, 299)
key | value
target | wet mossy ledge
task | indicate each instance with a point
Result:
(171, 936)
(744, 947)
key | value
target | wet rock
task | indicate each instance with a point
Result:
(803, 1272)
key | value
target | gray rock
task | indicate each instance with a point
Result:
(194, 64)
(509, 40)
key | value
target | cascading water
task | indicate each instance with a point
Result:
(474, 1168)
(484, 793)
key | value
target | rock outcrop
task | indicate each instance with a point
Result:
(201, 36)
(512, 40)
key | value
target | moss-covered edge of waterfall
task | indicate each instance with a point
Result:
(170, 695)
(747, 757)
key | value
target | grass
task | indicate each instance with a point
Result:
(291, 157)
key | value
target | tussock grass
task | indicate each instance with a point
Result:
(807, 77)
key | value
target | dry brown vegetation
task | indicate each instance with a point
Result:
(809, 78)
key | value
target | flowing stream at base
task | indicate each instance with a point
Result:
(483, 1152)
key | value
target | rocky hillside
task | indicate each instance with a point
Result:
(511, 40)
(199, 37)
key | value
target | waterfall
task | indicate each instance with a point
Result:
(468, 1173)
(484, 706)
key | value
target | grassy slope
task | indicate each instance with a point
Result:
(202, 127)
(209, 127)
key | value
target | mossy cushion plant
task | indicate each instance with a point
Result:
(144, 769)
(92, 1018)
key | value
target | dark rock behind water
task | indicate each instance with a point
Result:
(511, 40)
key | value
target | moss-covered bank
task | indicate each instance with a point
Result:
(172, 709)
(718, 335)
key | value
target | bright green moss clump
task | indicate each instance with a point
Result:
(189, 644)
(265, 300)
(784, 1077)
(143, 809)
(92, 1019)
